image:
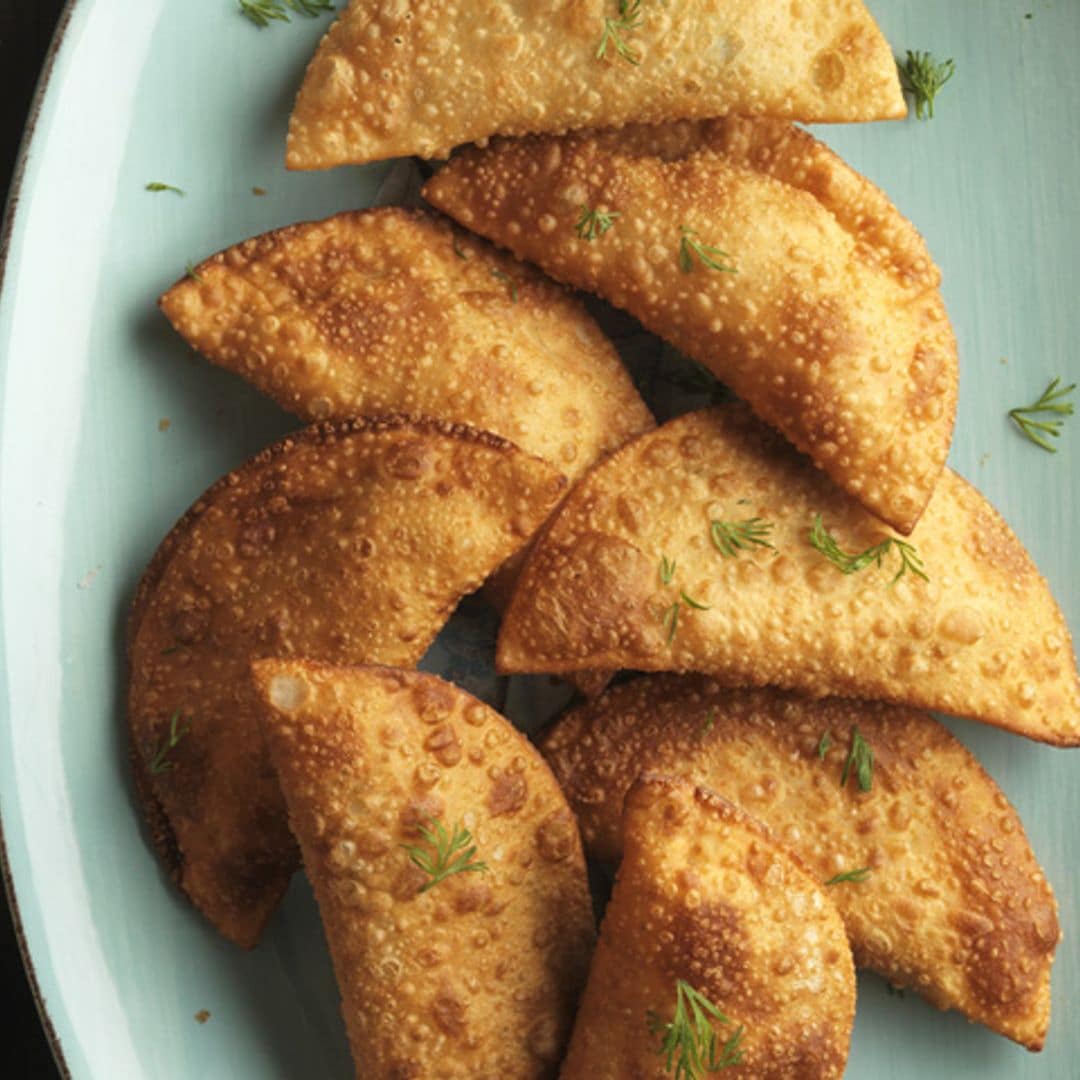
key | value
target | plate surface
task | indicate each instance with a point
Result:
(110, 428)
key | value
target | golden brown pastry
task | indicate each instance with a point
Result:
(707, 906)
(756, 251)
(939, 888)
(693, 549)
(348, 542)
(446, 864)
(400, 77)
(396, 311)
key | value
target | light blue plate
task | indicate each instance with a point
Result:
(193, 95)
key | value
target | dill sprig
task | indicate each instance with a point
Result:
(689, 1041)
(851, 563)
(667, 569)
(454, 853)
(192, 273)
(824, 745)
(710, 256)
(856, 876)
(159, 764)
(628, 19)
(262, 12)
(594, 223)
(860, 758)
(157, 185)
(923, 78)
(691, 602)
(1051, 403)
(670, 619)
(731, 537)
(509, 282)
(708, 723)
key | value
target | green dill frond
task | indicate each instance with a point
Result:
(689, 246)
(671, 620)
(857, 876)
(453, 853)
(731, 537)
(262, 12)
(852, 562)
(860, 758)
(923, 78)
(594, 223)
(157, 185)
(689, 1044)
(159, 763)
(510, 283)
(628, 20)
(1052, 403)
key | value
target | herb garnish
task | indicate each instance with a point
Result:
(158, 763)
(261, 12)
(689, 1043)
(708, 724)
(824, 745)
(157, 185)
(861, 759)
(1052, 401)
(629, 18)
(857, 876)
(731, 537)
(846, 562)
(594, 223)
(670, 619)
(511, 284)
(454, 854)
(923, 78)
(689, 246)
(459, 251)
(193, 273)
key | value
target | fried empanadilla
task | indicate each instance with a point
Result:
(712, 920)
(710, 545)
(396, 311)
(757, 252)
(350, 542)
(447, 867)
(933, 875)
(391, 79)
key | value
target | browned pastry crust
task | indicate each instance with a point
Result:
(348, 541)
(705, 895)
(982, 638)
(396, 311)
(476, 978)
(829, 324)
(956, 905)
(398, 77)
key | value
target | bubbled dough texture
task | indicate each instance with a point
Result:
(956, 907)
(833, 329)
(349, 543)
(703, 894)
(390, 311)
(478, 977)
(983, 638)
(397, 77)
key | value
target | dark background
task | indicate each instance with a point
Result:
(26, 28)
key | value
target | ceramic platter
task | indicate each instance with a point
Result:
(110, 428)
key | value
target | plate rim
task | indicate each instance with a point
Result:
(8, 227)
